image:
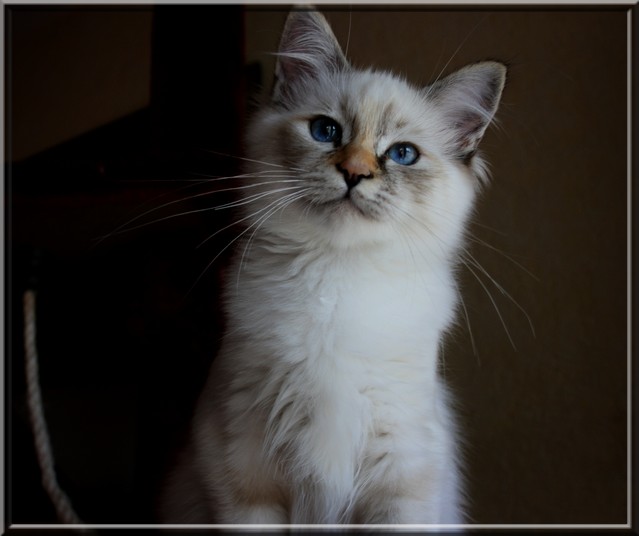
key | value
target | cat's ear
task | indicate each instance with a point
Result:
(308, 49)
(469, 99)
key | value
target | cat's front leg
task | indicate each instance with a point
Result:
(245, 499)
(246, 485)
(389, 507)
(255, 514)
(426, 493)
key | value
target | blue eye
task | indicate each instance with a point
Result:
(403, 153)
(326, 130)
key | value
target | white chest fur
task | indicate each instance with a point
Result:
(343, 351)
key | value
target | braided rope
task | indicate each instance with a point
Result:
(60, 500)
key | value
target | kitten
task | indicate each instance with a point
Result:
(324, 404)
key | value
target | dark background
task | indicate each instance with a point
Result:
(113, 112)
(126, 330)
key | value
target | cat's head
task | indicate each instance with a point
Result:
(356, 156)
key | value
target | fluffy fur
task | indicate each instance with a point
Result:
(325, 404)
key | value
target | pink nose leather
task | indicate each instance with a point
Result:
(359, 164)
(356, 165)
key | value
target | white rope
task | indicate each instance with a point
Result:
(60, 500)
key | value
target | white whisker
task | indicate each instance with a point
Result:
(236, 223)
(490, 297)
(125, 227)
(505, 255)
(243, 158)
(501, 289)
(281, 206)
(461, 45)
(470, 331)
(254, 197)
(208, 266)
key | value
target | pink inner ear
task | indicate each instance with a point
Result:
(469, 98)
(470, 129)
(295, 34)
(291, 68)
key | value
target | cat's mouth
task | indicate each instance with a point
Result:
(350, 204)
(343, 202)
(341, 206)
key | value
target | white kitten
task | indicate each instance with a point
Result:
(324, 404)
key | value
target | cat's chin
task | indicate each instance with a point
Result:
(346, 208)
(346, 224)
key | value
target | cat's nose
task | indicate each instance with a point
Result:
(356, 166)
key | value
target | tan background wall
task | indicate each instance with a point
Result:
(74, 70)
(545, 423)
